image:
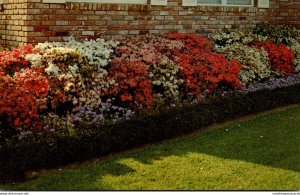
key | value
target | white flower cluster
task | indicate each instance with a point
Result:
(295, 46)
(52, 56)
(165, 77)
(35, 59)
(255, 62)
(222, 38)
(79, 91)
(79, 66)
(96, 52)
(52, 69)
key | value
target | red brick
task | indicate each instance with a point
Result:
(41, 28)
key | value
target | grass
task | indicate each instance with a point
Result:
(260, 153)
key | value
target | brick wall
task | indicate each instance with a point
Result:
(31, 21)
(13, 17)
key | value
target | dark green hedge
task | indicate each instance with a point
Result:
(98, 141)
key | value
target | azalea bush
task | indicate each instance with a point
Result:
(280, 56)
(193, 44)
(13, 61)
(139, 72)
(285, 34)
(23, 91)
(147, 49)
(288, 35)
(96, 52)
(22, 98)
(77, 69)
(295, 47)
(225, 37)
(75, 78)
(166, 82)
(60, 66)
(202, 70)
(61, 87)
(250, 46)
(204, 73)
(255, 62)
(131, 85)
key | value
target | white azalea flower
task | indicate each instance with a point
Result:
(34, 59)
(52, 69)
(73, 69)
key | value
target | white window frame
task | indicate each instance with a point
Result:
(224, 3)
(99, 1)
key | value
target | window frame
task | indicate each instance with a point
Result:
(138, 2)
(224, 3)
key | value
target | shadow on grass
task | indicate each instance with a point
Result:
(271, 140)
(75, 179)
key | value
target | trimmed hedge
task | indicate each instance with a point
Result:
(93, 141)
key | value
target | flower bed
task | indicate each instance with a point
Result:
(63, 102)
(94, 140)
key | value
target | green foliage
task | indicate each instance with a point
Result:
(239, 43)
(280, 34)
(226, 37)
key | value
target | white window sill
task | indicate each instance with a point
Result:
(221, 5)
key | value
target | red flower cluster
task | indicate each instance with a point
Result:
(133, 86)
(280, 56)
(132, 62)
(22, 97)
(193, 44)
(207, 71)
(201, 68)
(13, 61)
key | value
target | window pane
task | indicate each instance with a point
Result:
(239, 2)
(209, 1)
(111, 1)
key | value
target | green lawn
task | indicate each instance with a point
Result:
(260, 153)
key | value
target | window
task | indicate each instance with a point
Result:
(111, 1)
(98, 1)
(208, 2)
(226, 2)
